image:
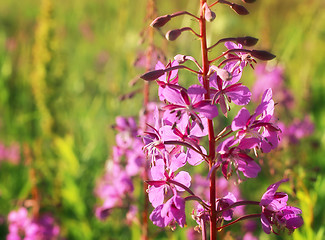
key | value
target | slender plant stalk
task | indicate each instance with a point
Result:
(146, 98)
(211, 157)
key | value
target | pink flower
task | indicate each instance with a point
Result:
(168, 79)
(190, 102)
(257, 128)
(161, 173)
(169, 213)
(236, 157)
(276, 212)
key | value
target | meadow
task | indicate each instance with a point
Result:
(65, 67)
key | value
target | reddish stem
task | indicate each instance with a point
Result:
(146, 88)
(211, 157)
(240, 219)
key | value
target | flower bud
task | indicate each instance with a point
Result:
(209, 15)
(239, 9)
(262, 55)
(180, 58)
(173, 34)
(160, 21)
(222, 73)
(153, 75)
(247, 41)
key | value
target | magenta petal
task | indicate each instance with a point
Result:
(183, 178)
(157, 171)
(173, 96)
(293, 221)
(240, 120)
(226, 144)
(178, 210)
(177, 162)
(195, 158)
(268, 196)
(156, 195)
(248, 143)
(267, 95)
(196, 93)
(231, 45)
(250, 169)
(156, 217)
(265, 224)
(240, 95)
(207, 110)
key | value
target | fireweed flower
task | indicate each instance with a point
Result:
(164, 171)
(188, 132)
(241, 59)
(10, 153)
(114, 186)
(224, 92)
(297, 130)
(191, 103)
(276, 212)
(232, 156)
(257, 130)
(127, 131)
(168, 79)
(173, 211)
(153, 143)
(22, 226)
(225, 202)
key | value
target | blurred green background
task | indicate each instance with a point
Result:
(65, 64)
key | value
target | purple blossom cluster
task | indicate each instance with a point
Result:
(275, 211)
(180, 133)
(175, 140)
(10, 153)
(115, 187)
(24, 227)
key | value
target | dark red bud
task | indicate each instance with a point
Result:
(153, 75)
(262, 55)
(160, 21)
(249, 1)
(239, 9)
(247, 41)
(173, 34)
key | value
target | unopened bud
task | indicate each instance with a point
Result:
(160, 21)
(173, 34)
(153, 75)
(249, 1)
(209, 15)
(247, 41)
(180, 58)
(262, 55)
(222, 73)
(239, 9)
